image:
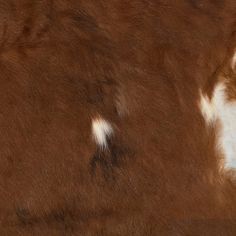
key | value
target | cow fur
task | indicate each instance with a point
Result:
(140, 65)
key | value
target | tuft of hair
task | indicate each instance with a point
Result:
(207, 109)
(101, 130)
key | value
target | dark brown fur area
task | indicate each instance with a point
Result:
(64, 62)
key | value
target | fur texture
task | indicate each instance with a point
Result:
(140, 65)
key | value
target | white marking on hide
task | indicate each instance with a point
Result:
(101, 130)
(219, 109)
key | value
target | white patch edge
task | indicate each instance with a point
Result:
(219, 109)
(233, 61)
(207, 109)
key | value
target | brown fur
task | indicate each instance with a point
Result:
(62, 63)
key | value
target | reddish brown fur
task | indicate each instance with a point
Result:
(62, 63)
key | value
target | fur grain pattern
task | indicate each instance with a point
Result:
(64, 62)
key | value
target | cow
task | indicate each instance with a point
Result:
(117, 117)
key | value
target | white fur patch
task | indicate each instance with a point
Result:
(101, 130)
(223, 111)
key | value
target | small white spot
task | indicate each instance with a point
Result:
(101, 130)
(219, 109)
